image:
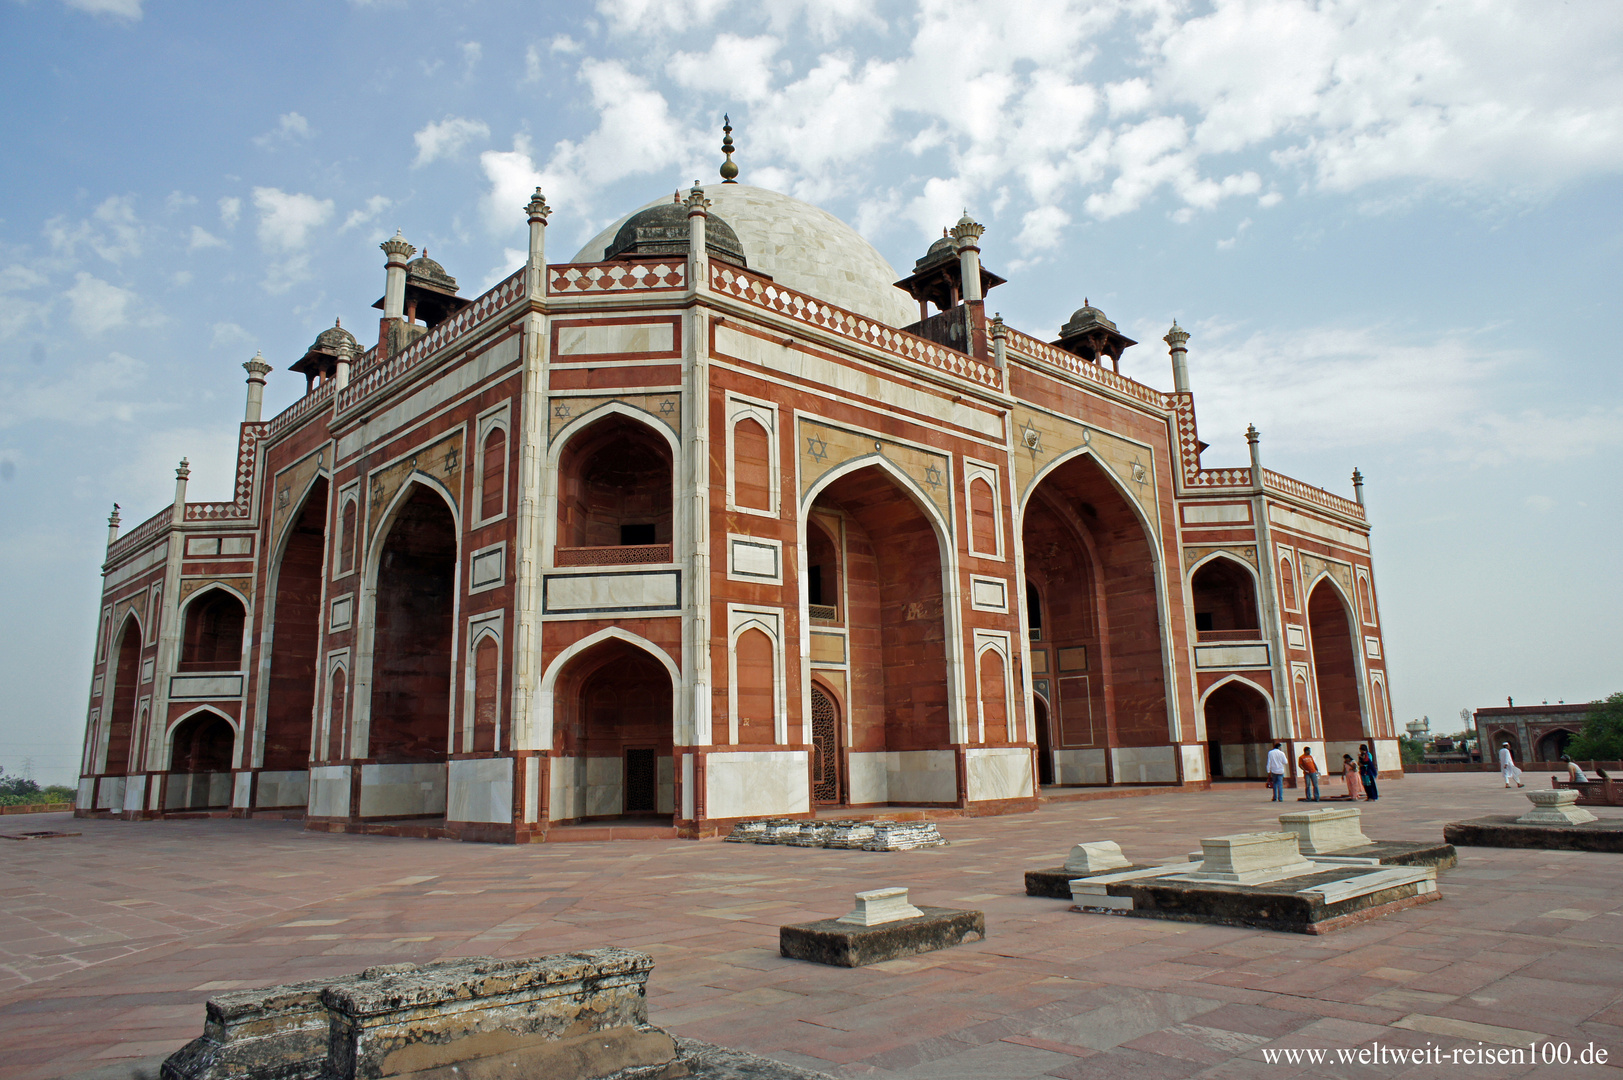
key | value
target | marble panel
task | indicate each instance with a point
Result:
(402, 790)
(1194, 762)
(205, 687)
(666, 798)
(998, 773)
(656, 590)
(243, 787)
(1209, 657)
(237, 545)
(921, 776)
(604, 794)
(135, 793)
(480, 789)
(757, 783)
(1222, 514)
(624, 338)
(290, 788)
(87, 793)
(1290, 519)
(110, 794)
(1145, 764)
(869, 778)
(329, 791)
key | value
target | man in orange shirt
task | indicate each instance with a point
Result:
(1310, 774)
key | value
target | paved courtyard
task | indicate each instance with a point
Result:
(111, 941)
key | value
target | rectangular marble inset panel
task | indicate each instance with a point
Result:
(87, 794)
(487, 567)
(1079, 767)
(633, 590)
(1231, 656)
(290, 788)
(1372, 648)
(203, 545)
(1145, 764)
(1295, 637)
(402, 790)
(481, 789)
(1194, 762)
(869, 779)
(204, 687)
(988, 594)
(1314, 527)
(921, 776)
(237, 545)
(754, 559)
(998, 772)
(758, 783)
(343, 609)
(827, 648)
(135, 793)
(622, 338)
(329, 791)
(95, 687)
(1222, 514)
(147, 667)
(110, 793)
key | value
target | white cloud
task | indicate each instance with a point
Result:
(363, 214)
(472, 53)
(290, 127)
(445, 137)
(202, 238)
(1042, 228)
(87, 395)
(97, 306)
(532, 64)
(734, 64)
(122, 9)
(18, 312)
(512, 259)
(230, 211)
(112, 231)
(285, 223)
(513, 177)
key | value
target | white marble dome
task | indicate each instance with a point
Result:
(802, 247)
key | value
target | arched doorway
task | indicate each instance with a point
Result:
(409, 730)
(1045, 754)
(612, 736)
(118, 757)
(1089, 555)
(1225, 597)
(200, 763)
(614, 495)
(1553, 744)
(1237, 731)
(1335, 669)
(827, 790)
(897, 718)
(212, 636)
(295, 637)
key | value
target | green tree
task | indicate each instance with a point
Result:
(1411, 750)
(1602, 736)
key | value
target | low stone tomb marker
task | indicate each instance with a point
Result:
(1250, 858)
(883, 926)
(1327, 830)
(1558, 806)
(1094, 857)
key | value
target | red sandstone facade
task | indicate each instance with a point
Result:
(660, 537)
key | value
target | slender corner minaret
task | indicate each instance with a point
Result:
(1177, 340)
(966, 236)
(1000, 339)
(112, 526)
(1253, 437)
(181, 474)
(345, 357)
(698, 257)
(394, 289)
(1358, 486)
(257, 369)
(535, 276)
(729, 170)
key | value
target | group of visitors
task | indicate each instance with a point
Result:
(1361, 776)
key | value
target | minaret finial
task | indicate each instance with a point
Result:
(729, 171)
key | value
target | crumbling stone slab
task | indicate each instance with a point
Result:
(830, 941)
(1605, 834)
(850, 835)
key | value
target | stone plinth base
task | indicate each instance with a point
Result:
(1327, 898)
(1055, 881)
(829, 941)
(1558, 806)
(1396, 853)
(1325, 831)
(1605, 834)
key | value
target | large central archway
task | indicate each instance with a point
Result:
(118, 755)
(1237, 732)
(1335, 668)
(888, 593)
(295, 639)
(612, 736)
(409, 730)
(1092, 572)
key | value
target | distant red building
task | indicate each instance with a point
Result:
(1534, 732)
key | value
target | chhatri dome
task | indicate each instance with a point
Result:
(801, 246)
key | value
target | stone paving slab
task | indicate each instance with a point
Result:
(111, 941)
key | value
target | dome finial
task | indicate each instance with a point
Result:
(729, 171)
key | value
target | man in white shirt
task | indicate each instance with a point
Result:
(1276, 771)
(1507, 767)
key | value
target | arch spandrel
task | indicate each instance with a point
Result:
(562, 412)
(243, 586)
(442, 460)
(287, 494)
(1313, 566)
(1193, 555)
(824, 447)
(1040, 439)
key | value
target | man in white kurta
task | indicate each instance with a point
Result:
(1507, 767)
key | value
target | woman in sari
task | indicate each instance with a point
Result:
(1349, 771)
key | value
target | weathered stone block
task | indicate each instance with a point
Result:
(1094, 857)
(830, 941)
(881, 906)
(1558, 806)
(1326, 830)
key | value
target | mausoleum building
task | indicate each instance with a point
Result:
(722, 518)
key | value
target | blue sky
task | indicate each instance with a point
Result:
(1393, 230)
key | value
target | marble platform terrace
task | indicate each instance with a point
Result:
(111, 941)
